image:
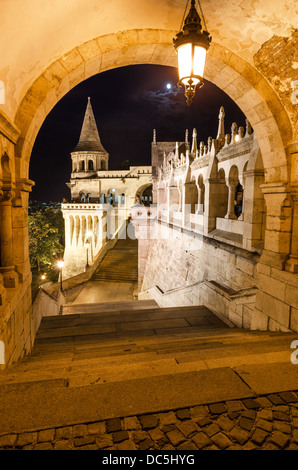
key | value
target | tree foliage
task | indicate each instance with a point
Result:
(46, 237)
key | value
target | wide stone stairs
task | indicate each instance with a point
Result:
(98, 361)
(119, 264)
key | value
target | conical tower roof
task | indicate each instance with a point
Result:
(89, 138)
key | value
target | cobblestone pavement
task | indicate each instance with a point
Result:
(267, 422)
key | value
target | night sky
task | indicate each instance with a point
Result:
(128, 103)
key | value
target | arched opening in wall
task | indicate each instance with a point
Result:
(111, 196)
(234, 188)
(238, 200)
(118, 124)
(90, 165)
(192, 196)
(82, 197)
(144, 194)
(220, 195)
(153, 101)
(146, 197)
(5, 168)
(122, 199)
(37, 102)
(201, 195)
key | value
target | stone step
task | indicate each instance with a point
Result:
(83, 309)
(112, 276)
(180, 346)
(86, 370)
(119, 264)
(98, 354)
(125, 320)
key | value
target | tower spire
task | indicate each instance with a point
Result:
(89, 138)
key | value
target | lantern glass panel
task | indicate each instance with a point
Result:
(199, 60)
(184, 60)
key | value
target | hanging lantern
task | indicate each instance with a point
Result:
(192, 44)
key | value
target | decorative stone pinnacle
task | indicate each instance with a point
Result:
(154, 136)
(194, 142)
(209, 143)
(233, 131)
(248, 128)
(221, 124)
(177, 151)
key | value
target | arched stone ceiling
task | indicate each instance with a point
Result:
(35, 33)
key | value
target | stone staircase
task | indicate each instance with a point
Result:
(100, 343)
(119, 264)
(98, 361)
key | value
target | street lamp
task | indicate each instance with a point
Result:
(191, 44)
(60, 267)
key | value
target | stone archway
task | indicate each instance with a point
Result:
(247, 87)
(238, 78)
(142, 189)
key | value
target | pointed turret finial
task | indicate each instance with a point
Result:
(221, 124)
(194, 142)
(89, 138)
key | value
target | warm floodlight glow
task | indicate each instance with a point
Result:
(169, 86)
(60, 264)
(185, 62)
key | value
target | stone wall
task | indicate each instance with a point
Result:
(182, 265)
(277, 61)
(242, 263)
(17, 329)
(16, 323)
